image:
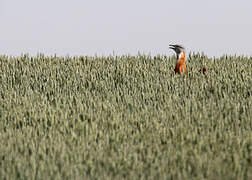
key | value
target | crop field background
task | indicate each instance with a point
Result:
(125, 117)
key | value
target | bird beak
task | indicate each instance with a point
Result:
(172, 47)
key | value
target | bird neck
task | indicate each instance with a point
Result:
(181, 56)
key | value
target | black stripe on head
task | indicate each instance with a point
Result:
(177, 48)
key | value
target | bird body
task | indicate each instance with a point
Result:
(181, 59)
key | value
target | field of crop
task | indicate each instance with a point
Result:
(125, 117)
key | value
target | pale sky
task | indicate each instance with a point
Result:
(89, 27)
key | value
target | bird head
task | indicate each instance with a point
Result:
(178, 49)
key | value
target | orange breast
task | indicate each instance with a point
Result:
(181, 66)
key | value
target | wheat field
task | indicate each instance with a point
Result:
(125, 117)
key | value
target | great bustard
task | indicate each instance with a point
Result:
(181, 59)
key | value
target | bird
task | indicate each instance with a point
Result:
(181, 59)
